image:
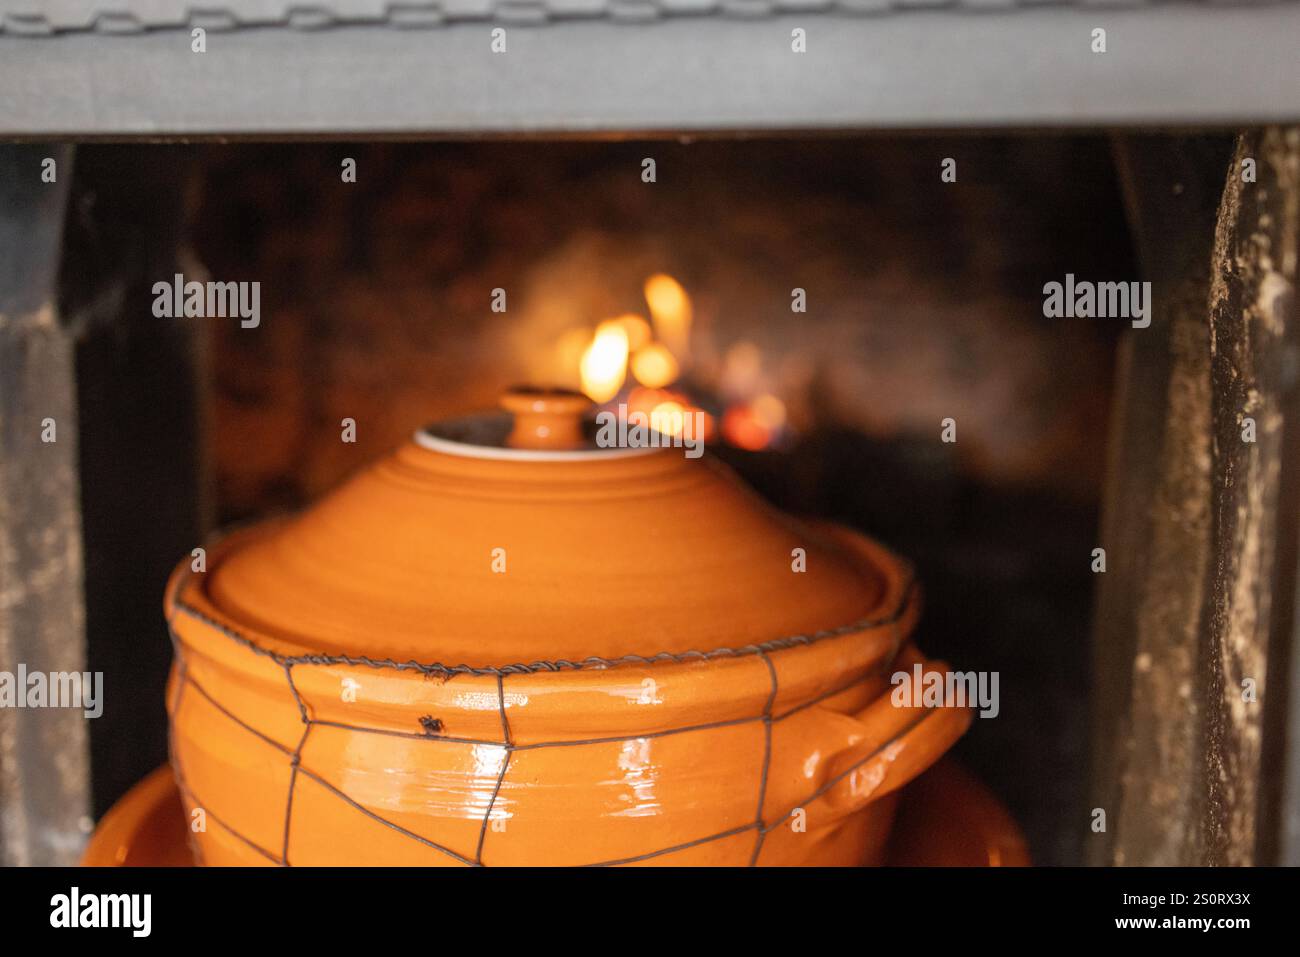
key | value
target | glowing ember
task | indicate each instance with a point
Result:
(654, 366)
(768, 411)
(666, 410)
(743, 431)
(667, 418)
(670, 307)
(754, 425)
(604, 364)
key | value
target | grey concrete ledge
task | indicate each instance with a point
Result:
(716, 70)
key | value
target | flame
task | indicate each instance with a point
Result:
(670, 308)
(567, 355)
(654, 366)
(604, 364)
(637, 329)
(656, 353)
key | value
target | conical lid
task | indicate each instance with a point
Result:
(475, 544)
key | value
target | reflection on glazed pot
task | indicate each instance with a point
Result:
(792, 756)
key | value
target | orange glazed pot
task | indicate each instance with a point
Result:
(502, 645)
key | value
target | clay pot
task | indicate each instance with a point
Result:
(496, 647)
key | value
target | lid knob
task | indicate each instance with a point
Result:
(546, 418)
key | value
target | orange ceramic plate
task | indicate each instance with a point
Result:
(948, 818)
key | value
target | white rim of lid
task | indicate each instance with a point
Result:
(426, 438)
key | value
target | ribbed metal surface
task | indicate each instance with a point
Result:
(53, 17)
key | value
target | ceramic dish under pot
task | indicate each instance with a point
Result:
(487, 649)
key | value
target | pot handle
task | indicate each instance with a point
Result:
(891, 743)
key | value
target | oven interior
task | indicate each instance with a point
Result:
(831, 302)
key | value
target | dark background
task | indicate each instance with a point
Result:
(924, 302)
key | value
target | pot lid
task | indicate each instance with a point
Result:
(516, 537)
